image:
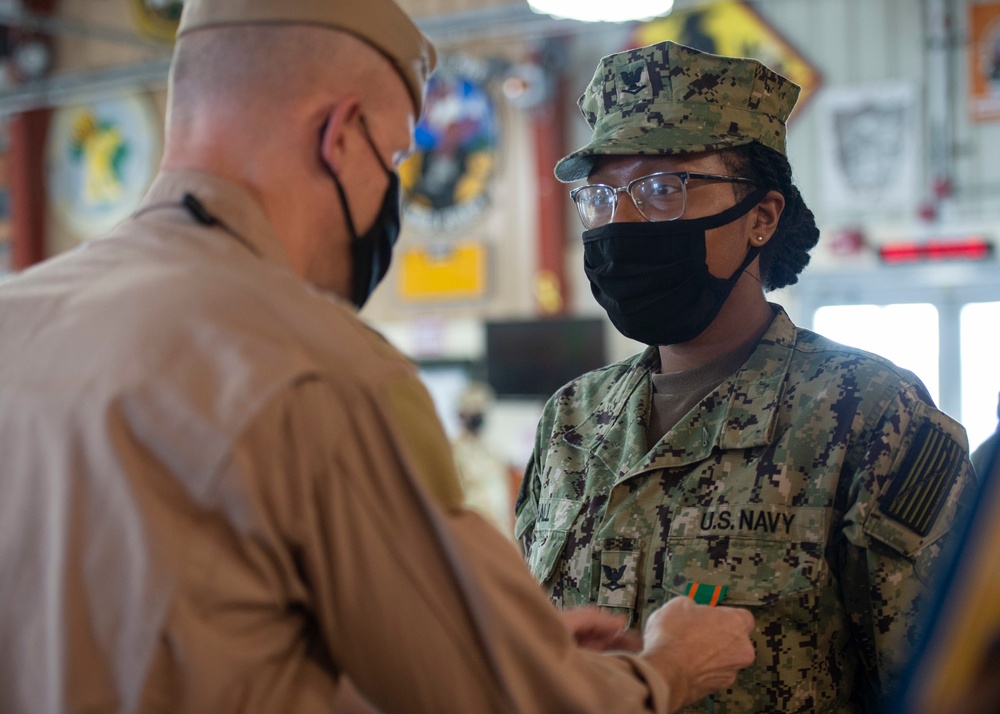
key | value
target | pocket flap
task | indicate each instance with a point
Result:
(619, 576)
(526, 516)
(556, 514)
(760, 553)
(554, 518)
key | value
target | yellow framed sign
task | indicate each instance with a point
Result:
(455, 272)
(733, 28)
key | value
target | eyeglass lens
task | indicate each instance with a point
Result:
(658, 198)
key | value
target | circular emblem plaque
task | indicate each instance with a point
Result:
(447, 182)
(100, 160)
(157, 19)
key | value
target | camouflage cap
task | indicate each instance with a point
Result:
(380, 23)
(667, 99)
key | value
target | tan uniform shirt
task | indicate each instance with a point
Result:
(221, 492)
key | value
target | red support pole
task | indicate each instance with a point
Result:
(26, 167)
(548, 125)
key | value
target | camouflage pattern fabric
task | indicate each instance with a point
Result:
(669, 99)
(817, 484)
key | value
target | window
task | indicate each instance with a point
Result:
(980, 330)
(940, 321)
(906, 334)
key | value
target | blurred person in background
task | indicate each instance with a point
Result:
(739, 459)
(485, 478)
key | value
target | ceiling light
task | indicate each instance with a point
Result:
(603, 10)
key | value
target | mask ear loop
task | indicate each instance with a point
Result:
(371, 143)
(731, 214)
(336, 182)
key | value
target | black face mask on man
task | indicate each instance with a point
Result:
(371, 253)
(652, 278)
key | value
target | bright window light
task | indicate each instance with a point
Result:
(906, 334)
(980, 376)
(603, 11)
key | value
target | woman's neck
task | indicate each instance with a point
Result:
(744, 314)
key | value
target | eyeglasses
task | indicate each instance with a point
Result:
(657, 197)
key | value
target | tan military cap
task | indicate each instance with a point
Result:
(668, 99)
(380, 23)
(475, 398)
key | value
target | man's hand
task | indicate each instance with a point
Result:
(598, 630)
(698, 649)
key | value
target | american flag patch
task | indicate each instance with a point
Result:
(920, 487)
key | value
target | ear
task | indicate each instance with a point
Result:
(335, 137)
(768, 212)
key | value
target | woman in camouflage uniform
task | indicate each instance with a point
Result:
(738, 459)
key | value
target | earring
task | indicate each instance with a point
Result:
(760, 239)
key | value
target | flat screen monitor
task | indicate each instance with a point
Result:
(534, 358)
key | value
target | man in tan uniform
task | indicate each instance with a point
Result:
(221, 491)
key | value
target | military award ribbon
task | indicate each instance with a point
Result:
(704, 594)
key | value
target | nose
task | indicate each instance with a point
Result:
(625, 210)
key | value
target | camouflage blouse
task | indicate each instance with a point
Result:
(816, 485)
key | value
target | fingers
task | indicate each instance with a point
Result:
(595, 629)
(744, 653)
(629, 640)
(592, 619)
(746, 616)
(698, 649)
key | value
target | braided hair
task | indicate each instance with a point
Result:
(784, 256)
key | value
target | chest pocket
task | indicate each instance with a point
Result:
(761, 553)
(555, 518)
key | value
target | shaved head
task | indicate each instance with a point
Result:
(229, 73)
(293, 113)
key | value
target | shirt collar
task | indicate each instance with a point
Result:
(740, 413)
(232, 205)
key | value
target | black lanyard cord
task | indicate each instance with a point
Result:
(201, 215)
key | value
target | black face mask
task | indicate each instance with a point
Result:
(652, 278)
(473, 422)
(371, 253)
